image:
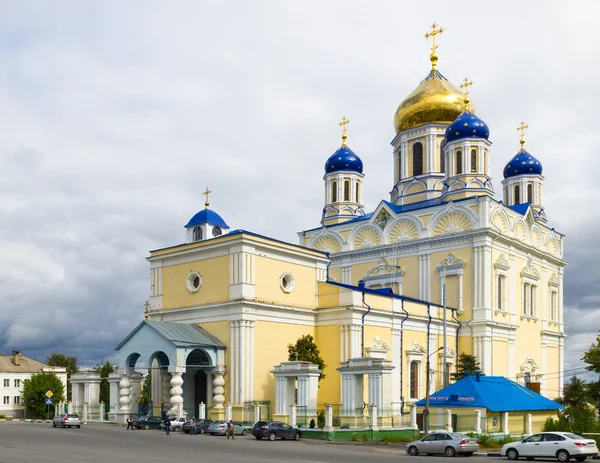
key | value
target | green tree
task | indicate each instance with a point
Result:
(592, 356)
(34, 393)
(577, 416)
(104, 370)
(465, 363)
(61, 360)
(146, 394)
(306, 350)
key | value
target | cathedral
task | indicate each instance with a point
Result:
(391, 296)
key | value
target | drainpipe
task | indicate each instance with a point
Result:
(426, 411)
(401, 363)
(457, 330)
(361, 285)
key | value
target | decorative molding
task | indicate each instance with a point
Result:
(530, 271)
(554, 281)
(416, 348)
(378, 349)
(502, 263)
(327, 244)
(451, 261)
(383, 218)
(384, 266)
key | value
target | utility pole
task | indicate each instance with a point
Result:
(445, 366)
(426, 411)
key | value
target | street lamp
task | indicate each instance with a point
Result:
(427, 386)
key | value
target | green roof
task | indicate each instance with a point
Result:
(179, 334)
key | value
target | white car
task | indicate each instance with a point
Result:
(176, 424)
(560, 445)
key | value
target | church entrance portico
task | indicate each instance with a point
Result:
(186, 364)
(293, 379)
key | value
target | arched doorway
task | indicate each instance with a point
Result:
(199, 361)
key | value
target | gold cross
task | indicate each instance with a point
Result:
(344, 125)
(146, 306)
(465, 88)
(435, 30)
(522, 129)
(206, 193)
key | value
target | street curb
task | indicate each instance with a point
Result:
(494, 454)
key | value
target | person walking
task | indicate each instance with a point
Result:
(130, 423)
(194, 428)
(230, 429)
(167, 426)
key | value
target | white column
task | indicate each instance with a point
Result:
(487, 355)
(124, 392)
(233, 377)
(101, 411)
(293, 414)
(544, 370)
(218, 389)
(328, 418)
(413, 416)
(242, 359)
(70, 407)
(487, 285)
(561, 360)
(505, 429)
(256, 412)
(202, 411)
(512, 374)
(343, 343)
(250, 358)
(529, 424)
(280, 395)
(228, 412)
(477, 421)
(373, 417)
(176, 394)
(404, 158)
(476, 277)
(460, 293)
(396, 363)
(376, 389)
(85, 412)
(449, 420)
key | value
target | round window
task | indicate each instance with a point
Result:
(286, 281)
(217, 231)
(193, 282)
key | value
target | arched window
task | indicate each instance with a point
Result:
(442, 161)
(473, 160)
(530, 193)
(399, 165)
(417, 159)
(346, 190)
(357, 192)
(458, 162)
(197, 233)
(517, 195)
(333, 192)
(414, 380)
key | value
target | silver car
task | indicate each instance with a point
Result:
(66, 420)
(219, 428)
(447, 443)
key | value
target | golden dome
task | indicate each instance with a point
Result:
(434, 100)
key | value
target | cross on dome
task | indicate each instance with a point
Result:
(344, 125)
(435, 30)
(465, 88)
(522, 129)
(206, 193)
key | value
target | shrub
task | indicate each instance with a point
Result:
(354, 437)
(321, 419)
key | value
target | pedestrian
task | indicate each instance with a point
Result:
(194, 428)
(230, 429)
(167, 426)
(312, 424)
(130, 423)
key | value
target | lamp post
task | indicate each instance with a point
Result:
(427, 386)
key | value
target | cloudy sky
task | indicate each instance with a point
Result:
(116, 115)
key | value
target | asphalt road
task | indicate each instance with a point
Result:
(40, 443)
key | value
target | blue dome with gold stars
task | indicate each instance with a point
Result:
(467, 125)
(523, 163)
(344, 159)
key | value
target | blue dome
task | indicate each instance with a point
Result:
(207, 216)
(523, 163)
(344, 159)
(467, 125)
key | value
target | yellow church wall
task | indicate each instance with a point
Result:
(552, 378)
(335, 274)
(328, 339)
(345, 234)
(500, 357)
(221, 331)
(268, 286)
(329, 296)
(464, 254)
(416, 309)
(215, 283)
(275, 336)
(410, 279)
(360, 270)
(425, 219)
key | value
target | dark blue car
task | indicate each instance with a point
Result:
(275, 430)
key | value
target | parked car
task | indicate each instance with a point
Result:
(176, 424)
(201, 426)
(447, 443)
(147, 422)
(560, 445)
(66, 420)
(275, 430)
(218, 428)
